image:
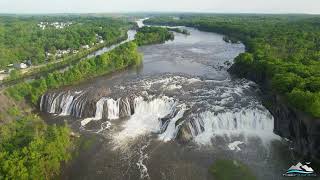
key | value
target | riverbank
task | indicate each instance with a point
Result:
(43, 70)
(123, 56)
(286, 73)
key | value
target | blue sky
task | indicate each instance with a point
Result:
(219, 6)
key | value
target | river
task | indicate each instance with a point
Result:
(171, 118)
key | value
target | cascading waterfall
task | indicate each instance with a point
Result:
(53, 104)
(125, 107)
(248, 121)
(171, 128)
(158, 114)
(149, 118)
(59, 103)
(113, 108)
(99, 111)
(65, 104)
(147, 113)
(77, 105)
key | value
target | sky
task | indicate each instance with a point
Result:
(111, 6)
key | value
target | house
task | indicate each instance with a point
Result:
(20, 66)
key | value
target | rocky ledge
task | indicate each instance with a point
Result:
(299, 127)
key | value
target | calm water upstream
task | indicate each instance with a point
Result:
(171, 118)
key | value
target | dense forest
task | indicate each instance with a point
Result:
(153, 35)
(283, 51)
(30, 149)
(38, 38)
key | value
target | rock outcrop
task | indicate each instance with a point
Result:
(299, 127)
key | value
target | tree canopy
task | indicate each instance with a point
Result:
(30, 38)
(29, 149)
(153, 35)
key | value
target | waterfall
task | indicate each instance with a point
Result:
(147, 114)
(248, 121)
(53, 104)
(99, 111)
(77, 105)
(41, 103)
(113, 108)
(65, 104)
(80, 104)
(172, 128)
(125, 107)
(147, 117)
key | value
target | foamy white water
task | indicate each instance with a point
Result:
(113, 108)
(141, 162)
(65, 104)
(171, 131)
(249, 122)
(234, 146)
(146, 117)
(99, 111)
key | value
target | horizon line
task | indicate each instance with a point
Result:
(159, 12)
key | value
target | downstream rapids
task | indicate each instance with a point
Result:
(170, 118)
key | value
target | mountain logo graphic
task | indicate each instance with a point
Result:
(300, 170)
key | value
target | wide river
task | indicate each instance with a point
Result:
(170, 118)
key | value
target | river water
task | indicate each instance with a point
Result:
(171, 118)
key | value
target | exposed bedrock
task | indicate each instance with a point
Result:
(302, 129)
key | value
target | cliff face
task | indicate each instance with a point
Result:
(302, 129)
(290, 123)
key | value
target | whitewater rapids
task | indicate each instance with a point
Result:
(185, 112)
